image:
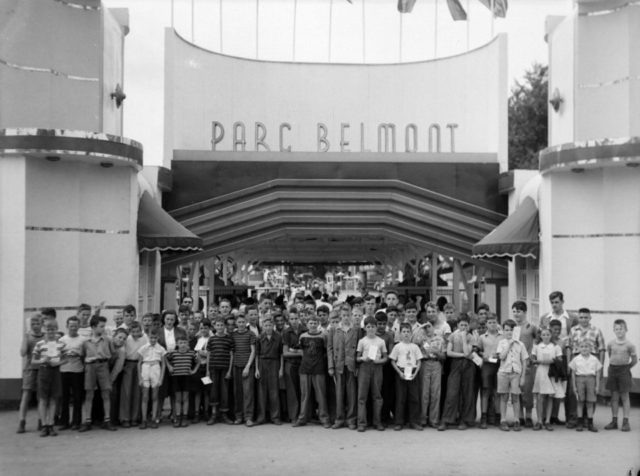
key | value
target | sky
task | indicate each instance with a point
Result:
(324, 31)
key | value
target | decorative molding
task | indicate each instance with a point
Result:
(35, 69)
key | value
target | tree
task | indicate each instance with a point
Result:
(528, 118)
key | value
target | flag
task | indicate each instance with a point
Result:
(456, 10)
(499, 7)
(405, 6)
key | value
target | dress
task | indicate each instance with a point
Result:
(544, 353)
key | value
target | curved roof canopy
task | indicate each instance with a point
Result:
(335, 220)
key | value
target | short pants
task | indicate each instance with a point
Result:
(509, 383)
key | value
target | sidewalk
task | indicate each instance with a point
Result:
(311, 450)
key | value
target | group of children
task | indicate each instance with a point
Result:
(347, 365)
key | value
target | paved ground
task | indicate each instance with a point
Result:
(310, 450)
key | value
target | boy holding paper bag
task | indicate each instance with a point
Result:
(405, 360)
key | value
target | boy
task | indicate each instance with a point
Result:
(253, 319)
(84, 314)
(29, 369)
(513, 358)
(433, 350)
(313, 367)
(388, 391)
(200, 391)
(244, 354)
(622, 356)
(219, 368)
(487, 346)
(269, 368)
(371, 352)
(72, 375)
(151, 374)
(585, 381)
(147, 322)
(292, 357)
(129, 391)
(116, 364)
(583, 331)
(181, 363)
(526, 333)
(97, 353)
(129, 315)
(405, 360)
(47, 355)
(342, 341)
(459, 398)
(184, 313)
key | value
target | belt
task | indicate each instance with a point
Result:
(97, 361)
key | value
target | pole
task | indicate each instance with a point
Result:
(435, 30)
(364, 37)
(295, 21)
(193, 22)
(400, 40)
(330, 26)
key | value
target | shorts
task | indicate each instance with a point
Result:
(489, 375)
(180, 383)
(30, 379)
(150, 375)
(96, 375)
(586, 388)
(509, 383)
(619, 378)
(49, 383)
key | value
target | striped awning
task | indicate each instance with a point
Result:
(158, 231)
(517, 235)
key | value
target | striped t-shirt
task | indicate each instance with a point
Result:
(182, 362)
(242, 342)
(219, 348)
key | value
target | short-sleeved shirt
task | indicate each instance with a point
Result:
(269, 348)
(620, 353)
(242, 342)
(220, 348)
(151, 353)
(32, 339)
(73, 352)
(585, 366)
(591, 334)
(96, 349)
(366, 343)
(488, 344)
(406, 355)
(182, 362)
(52, 349)
(515, 357)
(131, 347)
(548, 351)
(314, 353)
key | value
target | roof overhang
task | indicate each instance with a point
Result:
(335, 220)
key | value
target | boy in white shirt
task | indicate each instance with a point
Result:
(371, 353)
(585, 382)
(405, 360)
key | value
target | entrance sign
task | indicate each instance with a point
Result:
(225, 104)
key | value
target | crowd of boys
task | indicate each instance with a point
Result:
(358, 364)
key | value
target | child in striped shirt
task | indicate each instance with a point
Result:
(181, 364)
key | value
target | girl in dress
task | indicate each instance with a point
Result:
(543, 355)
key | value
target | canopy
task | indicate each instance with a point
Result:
(517, 235)
(158, 231)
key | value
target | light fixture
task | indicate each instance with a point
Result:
(118, 95)
(556, 100)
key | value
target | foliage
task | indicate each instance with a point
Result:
(528, 106)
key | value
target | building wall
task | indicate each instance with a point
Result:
(202, 87)
(12, 258)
